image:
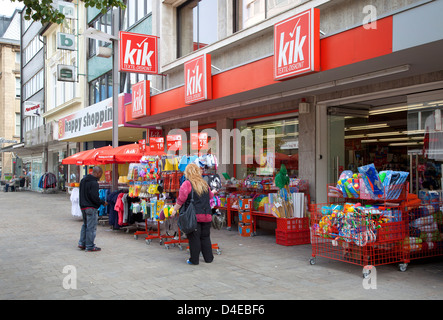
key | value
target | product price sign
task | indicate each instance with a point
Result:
(142, 145)
(199, 141)
(157, 144)
(174, 142)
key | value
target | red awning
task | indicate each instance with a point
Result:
(87, 157)
(126, 153)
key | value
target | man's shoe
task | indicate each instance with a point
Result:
(82, 247)
(189, 262)
(93, 249)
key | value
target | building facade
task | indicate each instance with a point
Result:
(9, 93)
(340, 83)
(379, 79)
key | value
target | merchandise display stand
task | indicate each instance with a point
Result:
(154, 235)
(425, 228)
(146, 231)
(369, 230)
(292, 228)
(176, 240)
(245, 206)
(363, 239)
(168, 176)
(390, 231)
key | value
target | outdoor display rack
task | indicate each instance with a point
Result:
(369, 232)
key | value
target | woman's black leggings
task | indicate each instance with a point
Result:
(200, 241)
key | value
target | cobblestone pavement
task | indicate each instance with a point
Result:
(38, 239)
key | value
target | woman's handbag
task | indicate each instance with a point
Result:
(187, 219)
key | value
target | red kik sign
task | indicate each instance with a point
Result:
(141, 99)
(138, 53)
(297, 45)
(198, 83)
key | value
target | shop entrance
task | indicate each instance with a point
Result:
(401, 133)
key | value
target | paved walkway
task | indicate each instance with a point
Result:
(38, 239)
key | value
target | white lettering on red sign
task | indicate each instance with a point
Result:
(157, 144)
(174, 142)
(194, 81)
(198, 85)
(296, 45)
(138, 53)
(140, 99)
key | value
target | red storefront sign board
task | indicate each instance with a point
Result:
(141, 99)
(345, 48)
(198, 80)
(297, 45)
(138, 53)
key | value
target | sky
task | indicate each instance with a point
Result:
(7, 7)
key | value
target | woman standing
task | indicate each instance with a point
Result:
(195, 186)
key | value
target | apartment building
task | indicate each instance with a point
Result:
(10, 90)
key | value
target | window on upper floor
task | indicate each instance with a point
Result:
(250, 12)
(135, 11)
(17, 87)
(33, 85)
(32, 48)
(17, 124)
(196, 25)
(132, 78)
(60, 91)
(100, 89)
(103, 23)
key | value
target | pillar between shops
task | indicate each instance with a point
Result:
(306, 145)
(224, 123)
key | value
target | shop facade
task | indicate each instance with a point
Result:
(91, 128)
(365, 64)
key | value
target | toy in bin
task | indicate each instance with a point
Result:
(348, 184)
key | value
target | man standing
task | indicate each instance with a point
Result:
(89, 203)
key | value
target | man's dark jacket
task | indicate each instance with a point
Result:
(89, 194)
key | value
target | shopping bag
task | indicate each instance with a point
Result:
(187, 219)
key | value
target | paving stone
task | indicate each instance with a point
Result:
(39, 238)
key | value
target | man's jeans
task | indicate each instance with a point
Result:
(89, 228)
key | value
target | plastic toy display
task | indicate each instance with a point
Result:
(369, 184)
(374, 220)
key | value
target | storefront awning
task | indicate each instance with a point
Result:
(87, 157)
(127, 153)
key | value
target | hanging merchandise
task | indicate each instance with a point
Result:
(113, 213)
(153, 185)
(185, 160)
(47, 181)
(75, 200)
